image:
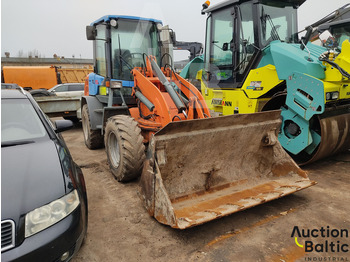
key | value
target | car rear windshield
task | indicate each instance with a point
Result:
(19, 121)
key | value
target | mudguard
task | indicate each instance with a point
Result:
(95, 108)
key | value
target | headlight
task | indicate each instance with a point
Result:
(335, 95)
(47, 215)
(332, 95)
(116, 84)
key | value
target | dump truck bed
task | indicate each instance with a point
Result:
(55, 106)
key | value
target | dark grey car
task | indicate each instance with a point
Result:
(43, 194)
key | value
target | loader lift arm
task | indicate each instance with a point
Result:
(174, 98)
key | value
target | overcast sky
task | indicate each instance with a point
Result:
(58, 27)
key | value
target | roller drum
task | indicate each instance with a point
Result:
(335, 137)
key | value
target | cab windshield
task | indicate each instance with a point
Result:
(277, 23)
(235, 36)
(131, 40)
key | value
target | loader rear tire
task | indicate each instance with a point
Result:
(93, 138)
(124, 147)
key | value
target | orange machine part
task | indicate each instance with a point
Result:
(165, 110)
(31, 77)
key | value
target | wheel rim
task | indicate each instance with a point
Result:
(85, 128)
(114, 152)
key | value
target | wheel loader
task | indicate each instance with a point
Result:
(153, 123)
(255, 62)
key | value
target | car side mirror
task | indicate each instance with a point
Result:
(63, 125)
(90, 32)
(225, 47)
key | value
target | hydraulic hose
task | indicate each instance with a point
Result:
(169, 88)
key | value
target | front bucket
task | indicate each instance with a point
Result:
(200, 170)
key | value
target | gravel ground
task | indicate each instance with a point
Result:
(120, 228)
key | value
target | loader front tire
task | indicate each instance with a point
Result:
(93, 138)
(124, 147)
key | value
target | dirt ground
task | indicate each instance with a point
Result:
(120, 228)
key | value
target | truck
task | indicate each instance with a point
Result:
(43, 77)
(156, 127)
(67, 107)
(40, 79)
(31, 77)
(254, 62)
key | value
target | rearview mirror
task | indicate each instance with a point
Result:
(63, 125)
(90, 32)
(173, 36)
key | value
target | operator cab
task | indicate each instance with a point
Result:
(237, 33)
(120, 44)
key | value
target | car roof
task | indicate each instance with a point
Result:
(13, 93)
(9, 84)
(66, 84)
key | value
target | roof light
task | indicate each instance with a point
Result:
(205, 6)
(113, 22)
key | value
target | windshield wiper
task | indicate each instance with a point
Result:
(122, 59)
(274, 33)
(16, 143)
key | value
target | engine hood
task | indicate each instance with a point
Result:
(31, 176)
(289, 58)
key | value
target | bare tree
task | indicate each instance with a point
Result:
(34, 53)
(20, 53)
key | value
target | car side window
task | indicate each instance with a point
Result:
(63, 88)
(76, 88)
